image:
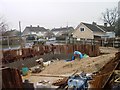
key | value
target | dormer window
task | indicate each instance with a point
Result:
(82, 29)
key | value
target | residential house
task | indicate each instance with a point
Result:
(12, 33)
(109, 31)
(62, 30)
(49, 34)
(39, 31)
(93, 31)
(11, 37)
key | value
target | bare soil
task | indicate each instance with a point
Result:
(88, 65)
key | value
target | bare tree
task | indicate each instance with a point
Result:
(3, 25)
(110, 17)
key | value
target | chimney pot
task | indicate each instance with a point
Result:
(94, 23)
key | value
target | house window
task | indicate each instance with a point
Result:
(81, 29)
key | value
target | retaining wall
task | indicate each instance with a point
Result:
(10, 56)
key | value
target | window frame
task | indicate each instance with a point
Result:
(82, 29)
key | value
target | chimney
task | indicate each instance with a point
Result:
(30, 25)
(105, 24)
(38, 26)
(94, 23)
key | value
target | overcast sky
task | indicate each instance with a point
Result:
(53, 13)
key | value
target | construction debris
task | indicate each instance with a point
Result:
(79, 81)
(39, 68)
(60, 82)
(36, 69)
(63, 81)
(45, 64)
(105, 70)
(43, 84)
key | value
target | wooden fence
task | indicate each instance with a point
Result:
(37, 50)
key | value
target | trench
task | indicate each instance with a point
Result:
(103, 78)
(31, 62)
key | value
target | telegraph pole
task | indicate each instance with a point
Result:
(20, 27)
(20, 34)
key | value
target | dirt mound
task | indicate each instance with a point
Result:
(90, 65)
(108, 50)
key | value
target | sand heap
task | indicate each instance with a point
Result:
(90, 65)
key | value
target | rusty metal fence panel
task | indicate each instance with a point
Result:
(14, 55)
(11, 79)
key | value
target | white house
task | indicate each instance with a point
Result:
(92, 31)
(39, 31)
(62, 30)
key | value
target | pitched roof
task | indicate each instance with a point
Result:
(99, 28)
(12, 33)
(63, 29)
(49, 33)
(94, 28)
(107, 29)
(37, 29)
